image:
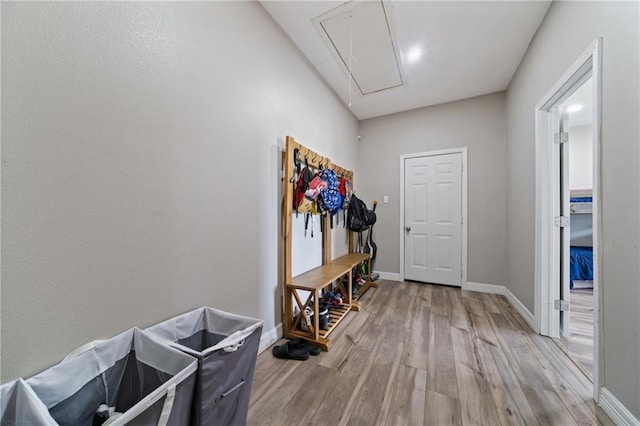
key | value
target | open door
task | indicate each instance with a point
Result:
(563, 223)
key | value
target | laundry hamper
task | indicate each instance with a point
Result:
(133, 374)
(226, 346)
(19, 405)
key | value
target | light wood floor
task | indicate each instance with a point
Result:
(579, 343)
(422, 354)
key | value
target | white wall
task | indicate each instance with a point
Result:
(142, 163)
(477, 123)
(567, 30)
(580, 157)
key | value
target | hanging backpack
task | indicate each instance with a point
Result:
(359, 217)
(330, 200)
(313, 191)
(355, 215)
(369, 216)
(300, 203)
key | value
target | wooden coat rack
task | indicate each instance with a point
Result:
(323, 277)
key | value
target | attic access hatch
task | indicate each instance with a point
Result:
(363, 29)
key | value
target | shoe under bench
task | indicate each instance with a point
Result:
(314, 282)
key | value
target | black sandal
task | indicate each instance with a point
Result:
(302, 344)
(288, 351)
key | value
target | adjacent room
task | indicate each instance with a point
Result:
(376, 212)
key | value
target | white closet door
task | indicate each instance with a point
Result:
(433, 219)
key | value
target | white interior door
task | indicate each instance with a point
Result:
(565, 235)
(433, 219)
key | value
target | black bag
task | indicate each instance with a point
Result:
(355, 215)
(359, 217)
(369, 217)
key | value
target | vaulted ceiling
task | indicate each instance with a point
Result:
(383, 57)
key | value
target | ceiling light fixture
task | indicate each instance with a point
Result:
(414, 54)
(574, 108)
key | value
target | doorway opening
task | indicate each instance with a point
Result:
(576, 203)
(568, 214)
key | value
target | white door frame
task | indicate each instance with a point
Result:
(463, 234)
(547, 273)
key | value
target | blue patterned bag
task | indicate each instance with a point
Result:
(330, 197)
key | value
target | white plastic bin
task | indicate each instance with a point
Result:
(148, 382)
(226, 346)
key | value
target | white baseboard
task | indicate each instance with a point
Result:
(502, 290)
(614, 409)
(391, 276)
(269, 337)
(522, 310)
(484, 288)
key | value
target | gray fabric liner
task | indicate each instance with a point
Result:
(202, 340)
(134, 383)
(129, 381)
(73, 373)
(235, 327)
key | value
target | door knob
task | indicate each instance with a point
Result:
(407, 228)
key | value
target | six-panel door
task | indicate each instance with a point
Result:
(433, 219)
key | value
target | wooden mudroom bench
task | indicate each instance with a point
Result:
(316, 280)
(323, 277)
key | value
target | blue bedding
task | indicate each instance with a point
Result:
(581, 264)
(581, 199)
